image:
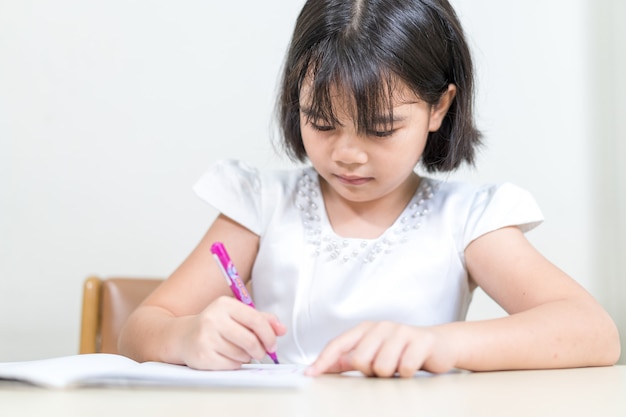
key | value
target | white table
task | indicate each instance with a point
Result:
(571, 392)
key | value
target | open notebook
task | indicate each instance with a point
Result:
(103, 369)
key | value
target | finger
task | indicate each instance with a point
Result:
(233, 352)
(425, 353)
(226, 363)
(414, 357)
(379, 350)
(412, 360)
(226, 356)
(277, 326)
(246, 339)
(334, 357)
(364, 353)
(230, 320)
(264, 326)
(387, 359)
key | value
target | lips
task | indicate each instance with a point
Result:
(353, 180)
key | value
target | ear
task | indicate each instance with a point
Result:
(438, 111)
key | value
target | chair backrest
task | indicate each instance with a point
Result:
(107, 303)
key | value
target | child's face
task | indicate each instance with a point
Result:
(368, 166)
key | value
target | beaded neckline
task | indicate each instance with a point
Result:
(329, 246)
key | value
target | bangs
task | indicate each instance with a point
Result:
(334, 73)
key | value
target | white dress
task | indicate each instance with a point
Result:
(320, 284)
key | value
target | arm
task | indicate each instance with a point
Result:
(553, 323)
(193, 319)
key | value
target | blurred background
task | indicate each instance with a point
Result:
(110, 111)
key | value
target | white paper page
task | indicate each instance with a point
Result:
(115, 370)
(63, 371)
(163, 374)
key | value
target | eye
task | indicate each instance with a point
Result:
(382, 133)
(320, 126)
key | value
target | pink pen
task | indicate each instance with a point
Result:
(234, 281)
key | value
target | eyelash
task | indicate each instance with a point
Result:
(321, 128)
(384, 134)
(377, 134)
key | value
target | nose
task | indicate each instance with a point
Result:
(349, 149)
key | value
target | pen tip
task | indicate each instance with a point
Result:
(273, 357)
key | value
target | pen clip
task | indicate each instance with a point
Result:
(224, 273)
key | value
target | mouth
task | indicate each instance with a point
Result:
(352, 180)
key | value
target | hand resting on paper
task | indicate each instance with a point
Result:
(385, 348)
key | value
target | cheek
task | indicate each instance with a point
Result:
(306, 138)
(411, 146)
(310, 143)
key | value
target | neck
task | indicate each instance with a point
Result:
(367, 219)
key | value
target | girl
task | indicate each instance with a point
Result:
(356, 261)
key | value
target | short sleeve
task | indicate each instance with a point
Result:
(498, 206)
(234, 189)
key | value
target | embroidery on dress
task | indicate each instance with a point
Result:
(332, 247)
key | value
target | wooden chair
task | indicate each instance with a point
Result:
(107, 303)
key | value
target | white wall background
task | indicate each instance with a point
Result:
(109, 111)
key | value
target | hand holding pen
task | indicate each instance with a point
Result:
(234, 281)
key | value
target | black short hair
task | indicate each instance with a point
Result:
(363, 47)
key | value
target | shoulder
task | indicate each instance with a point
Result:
(246, 194)
(476, 209)
(240, 174)
(236, 181)
(465, 193)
